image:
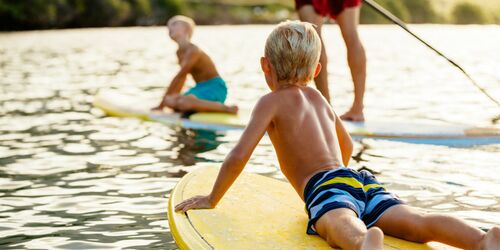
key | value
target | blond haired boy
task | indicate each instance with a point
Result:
(210, 91)
(349, 209)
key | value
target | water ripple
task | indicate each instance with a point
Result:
(72, 178)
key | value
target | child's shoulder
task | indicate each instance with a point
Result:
(267, 98)
(312, 91)
(194, 46)
(302, 97)
(315, 95)
(298, 93)
(281, 94)
(190, 48)
(266, 103)
(275, 99)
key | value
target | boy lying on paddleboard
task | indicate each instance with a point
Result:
(349, 209)
(210, 91)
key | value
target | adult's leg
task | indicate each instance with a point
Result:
(407, 223)
(342, 228)
(308, 14)
(348, 21)
(191, 103)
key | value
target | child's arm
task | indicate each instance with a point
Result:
(345, 140)
(187, 62)
(235, 162)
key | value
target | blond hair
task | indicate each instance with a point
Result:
(190, 24)
(293, 48)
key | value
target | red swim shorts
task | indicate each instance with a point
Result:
(330, 8)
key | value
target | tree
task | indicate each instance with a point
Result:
(396, 7)
(421, 11)
(468, 13)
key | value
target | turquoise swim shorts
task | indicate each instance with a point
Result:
(214, 90)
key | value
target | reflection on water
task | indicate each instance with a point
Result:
(72, 178)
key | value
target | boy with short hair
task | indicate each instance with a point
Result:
(313, 147)
(210, 91)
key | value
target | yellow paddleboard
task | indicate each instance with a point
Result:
(256, 212)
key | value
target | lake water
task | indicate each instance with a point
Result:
(72, 178)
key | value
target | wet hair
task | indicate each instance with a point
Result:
(293, 49)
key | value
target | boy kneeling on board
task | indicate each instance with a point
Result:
(349, 209)
(210, 91)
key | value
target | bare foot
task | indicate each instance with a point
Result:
(232, 109)
(374, 239)
(492, 239)
(353, 116)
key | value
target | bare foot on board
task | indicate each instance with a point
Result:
(354, 116)
(233, 109)
(492, 239)
(157, 108)
(374, 239)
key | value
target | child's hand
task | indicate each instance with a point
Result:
(168, 101)
(157, 108)
(197, 202)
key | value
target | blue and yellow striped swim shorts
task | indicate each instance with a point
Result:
(346, 188)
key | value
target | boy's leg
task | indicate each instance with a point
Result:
(348, 21)
(308, 14)
(191, 103)
(168, 101)
(492, 239)
(342, 228)
(407, 223)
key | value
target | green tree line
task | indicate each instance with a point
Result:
(48, 14)
(41, 14)
(423, 11)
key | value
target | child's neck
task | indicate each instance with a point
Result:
(286, 85)
(183, 43)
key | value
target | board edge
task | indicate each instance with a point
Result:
(183, 232)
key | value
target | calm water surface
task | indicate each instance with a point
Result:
(72, 178)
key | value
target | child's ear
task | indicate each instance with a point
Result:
(264, 64)
(317, 70)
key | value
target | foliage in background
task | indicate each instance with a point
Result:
(467, 13)
(43, 14)
(490, 9)
(421, 11)
(35, 14)
(398, 8)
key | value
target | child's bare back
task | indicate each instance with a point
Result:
(302, 134)
(202, 68)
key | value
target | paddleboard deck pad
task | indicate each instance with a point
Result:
(256, 211)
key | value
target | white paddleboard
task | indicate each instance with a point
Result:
(139, 103)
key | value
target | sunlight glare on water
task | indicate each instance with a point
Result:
(72, 178)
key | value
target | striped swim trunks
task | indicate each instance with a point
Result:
(346, 188)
